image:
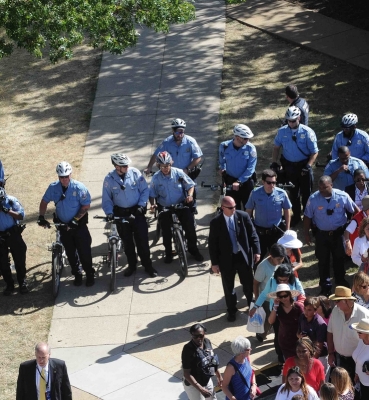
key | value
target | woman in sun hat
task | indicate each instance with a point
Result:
(292, 245)
(361, 356)
(287, 311)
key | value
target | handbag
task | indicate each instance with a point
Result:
(256, 322)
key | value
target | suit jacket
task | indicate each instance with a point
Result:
(60, 386)
(350, 190)
(220, 244)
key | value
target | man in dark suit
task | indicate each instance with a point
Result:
(43, 378)
(233, 247)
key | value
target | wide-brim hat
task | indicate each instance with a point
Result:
(362, 326)
(283, 287)
(342, 293)
(289, 240)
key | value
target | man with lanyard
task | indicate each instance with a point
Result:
(294, 99)
(341, 170)
(237, 162)
(184, 150)
(11, 212)
(125, 194)
(266, 205)
(72, 200)
(300, 150)
(327, 208)
(356, 139)
(171, 186)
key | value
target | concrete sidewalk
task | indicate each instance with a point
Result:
(119, 345)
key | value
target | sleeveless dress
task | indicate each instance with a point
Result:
(237, 384)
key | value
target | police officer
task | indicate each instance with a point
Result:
(341, 170)
(327, 209)
(72, 200)
(125, 194)
(356, 139)
(11, 212)
(300, 150)
(266, 205)
(170, 186)
(184, 150)
(237, 162)
(294, 99)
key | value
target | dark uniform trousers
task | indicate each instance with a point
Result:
(303, 182)
(327, 243)
(11, 240)
(137, 229)
(186, 218)
(237, 265)
(268, 237)
(78, 239)
(241, 195)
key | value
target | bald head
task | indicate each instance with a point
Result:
(42, 353)
(228, 201)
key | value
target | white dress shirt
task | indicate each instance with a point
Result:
(38, 378)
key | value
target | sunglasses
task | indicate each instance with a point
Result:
(198, 336)
(284, 296)
(360, 180)
(63, 177)
(270, 182)
(292, 120)
(179, 132)
(229, 208)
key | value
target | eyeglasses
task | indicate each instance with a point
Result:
(198, 336)
(360, 180)
(292, 120)
(229, 208)
(63, 177)
(284, 296)
(179, 132)
(271, 182)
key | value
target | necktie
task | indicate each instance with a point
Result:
(232, 234)
(42, 387)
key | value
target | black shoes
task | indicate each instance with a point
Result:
(259, 338)
(77, 279)
(90, 280)
(295, 220)
(197, 256)
(23, 288)
(8, 290)
(168, 258)
(152, 272)
(129, 271)
(231, 317)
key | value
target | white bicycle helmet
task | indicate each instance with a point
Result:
(63, 169)
(349, 120)
(243, 131)
(164, 158)
(120, 159)
(178, 123)
(2, 194)
(292, 113)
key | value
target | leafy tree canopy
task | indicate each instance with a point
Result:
(56, 26)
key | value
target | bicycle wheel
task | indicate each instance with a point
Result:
(113, 267)
(57, 267)
(181, 251)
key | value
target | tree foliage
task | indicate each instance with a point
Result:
(56, 26)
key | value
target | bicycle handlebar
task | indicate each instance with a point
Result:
(178, 206)
(216, 186)
(116, 219)
(281, 185)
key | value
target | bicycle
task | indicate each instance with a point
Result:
(179, 239)
(115, 245)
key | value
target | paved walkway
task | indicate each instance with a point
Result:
(119, 345)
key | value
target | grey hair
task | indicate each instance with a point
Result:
(40, 345)
(239, 345)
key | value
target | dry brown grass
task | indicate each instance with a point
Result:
(44, 117)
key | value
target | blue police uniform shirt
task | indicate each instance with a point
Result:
(2, 174)
(183, 154)
(344, 178)
(359, 147)
(317, 206)
(136, 191)
(239, 163)
(305, 138)
(6, 221)
(268, 208)
(76, 196)
(303, 106)
(168, 189)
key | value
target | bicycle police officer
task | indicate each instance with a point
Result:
(300, 151)
(184, 150)
(11, 212)
(327, 209)
(125, 194)
(266, 205)
(170, 186)
(237, 162)
(341, 170)
(294, 99)
(350, 136)
(72, 200)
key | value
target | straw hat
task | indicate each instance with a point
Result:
(342, 293)
(290, 241)
(362, 326)
(283, 287)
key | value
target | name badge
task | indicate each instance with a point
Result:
(48, 395)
